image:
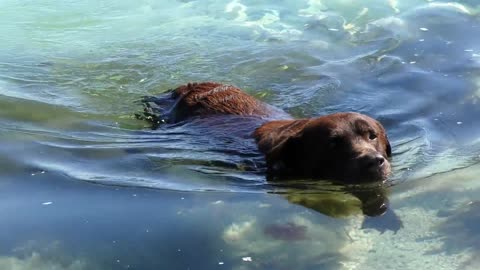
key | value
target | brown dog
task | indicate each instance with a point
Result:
(349, 147)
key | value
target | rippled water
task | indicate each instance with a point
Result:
(85, 185)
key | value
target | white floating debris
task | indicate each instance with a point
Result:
(182, 198)
(220, 263)
(47, 203)
(459, 123)
(468, 50)
(333, 29)
(247, 259)
(421, 40)
(423, 29)
(218, 202)
(413, 62)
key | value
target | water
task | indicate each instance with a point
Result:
(87, 186)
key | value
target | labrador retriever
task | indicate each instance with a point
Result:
(348, 147)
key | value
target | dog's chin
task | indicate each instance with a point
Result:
(380, 174)
(377, 177)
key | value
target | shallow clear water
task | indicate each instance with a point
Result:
(84, 185)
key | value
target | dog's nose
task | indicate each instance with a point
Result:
(373, 161)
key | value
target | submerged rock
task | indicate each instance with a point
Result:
(287, 232)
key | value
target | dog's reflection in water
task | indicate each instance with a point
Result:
(341, 201)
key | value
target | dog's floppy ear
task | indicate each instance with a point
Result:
(282, 152)
(279, 141)
(389, 148)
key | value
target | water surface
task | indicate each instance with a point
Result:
(85, 185)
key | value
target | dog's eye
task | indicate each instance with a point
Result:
(372, 136)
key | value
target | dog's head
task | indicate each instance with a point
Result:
(349, 147)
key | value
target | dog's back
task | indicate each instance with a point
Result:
(211, 98)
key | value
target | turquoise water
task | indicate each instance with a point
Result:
(85, 185)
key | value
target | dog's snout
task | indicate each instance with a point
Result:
(372, 161)
(379, 160)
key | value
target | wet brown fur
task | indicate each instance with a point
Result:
(350, 147)
(215, 98)
(343, 146)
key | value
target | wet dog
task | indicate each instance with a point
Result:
(347, 147)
